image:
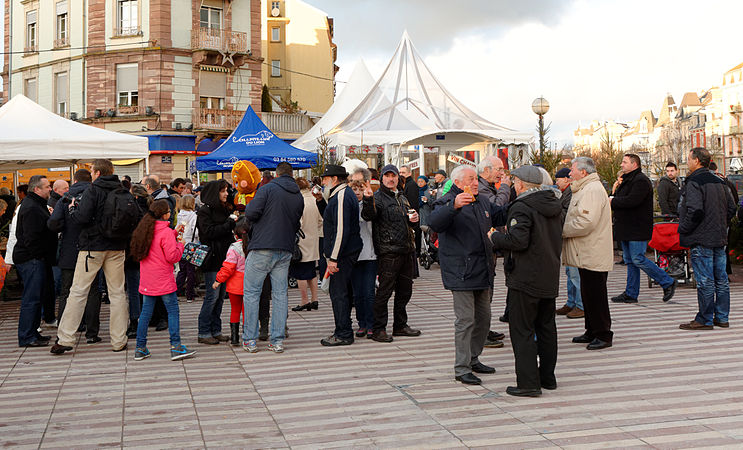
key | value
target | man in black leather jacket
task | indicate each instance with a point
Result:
(393, 223)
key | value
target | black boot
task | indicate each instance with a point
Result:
(131, 332)
(235, 333)
(263, 334)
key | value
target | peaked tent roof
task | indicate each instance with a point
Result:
(253, 141)
(31, 136)
(357, 87)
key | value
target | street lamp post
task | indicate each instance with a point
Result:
(540, 106)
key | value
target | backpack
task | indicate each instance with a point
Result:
(120, 215)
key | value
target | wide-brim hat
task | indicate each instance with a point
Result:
(334, 170)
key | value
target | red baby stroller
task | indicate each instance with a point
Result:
(669, 254)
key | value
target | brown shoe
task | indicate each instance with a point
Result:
(564, 310)
(381, 336)
(694, 325)
(721, 324)
(575, 313)
(208, 340)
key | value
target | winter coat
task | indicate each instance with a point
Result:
(188, 220)
(587, 239)
(156, 269)
(275, 212)
(424, 206)
(60, 222)
(391, 229)
(53, 199)
(129, 262)
(533, 242)
(311, 226)
(341, 224)
(233, 269)
(214, 227)
(668, 196)
(9, 211)
(34, 239)
(88, 212)
(706, 208)
(465, 252)
(485, 190)
(633, 208)
(410, 190)
(567, 196)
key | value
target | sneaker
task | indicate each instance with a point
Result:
(276, 348)
(250, 346)
(333, 341)
(669, 291)
(180, 352)
(208, 340)
(189, 300)
(493, 343)
(141, 353)
(623, 298)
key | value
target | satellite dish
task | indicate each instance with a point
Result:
(275, 12)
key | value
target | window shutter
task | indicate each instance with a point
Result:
(61, 8)
(30, 17)
(127, 78)
(212, 84)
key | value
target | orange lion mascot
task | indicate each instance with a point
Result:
(245, 178)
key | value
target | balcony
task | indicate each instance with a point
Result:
(123, 31)
(61, 42)
(216, 119)
(127, 110)
(235, 42)
(735, 109)
(736, 130)
(285, 126)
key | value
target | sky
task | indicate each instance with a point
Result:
(592, 60)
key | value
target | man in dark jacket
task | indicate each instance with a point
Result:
(33, 257)
(393, 223)
(490, 172)
(705, 210)
(342, 245)
(632, 203)
(96, 251)
(668, 191)
(59, 188)
(410, 188)
(573, 308)
(274, 213)
(467, 266)
(532, 242)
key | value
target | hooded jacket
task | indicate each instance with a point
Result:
(232, 271)
(34, 239)
(533, 242)
(633, 208)
(274, 213)
(706, 207)
(156, 269)
(88, 214)
(465, 252)
(215, 226)
(668, 196)
(392, 232)
(342, 235)
(587, 241)
(60, 222)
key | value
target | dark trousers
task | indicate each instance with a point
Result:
(596, 304)
(33, 273)
(48, 298)
(395, 274)
(530, 317)
(340, 298)
(91, 317)
(131, 275)
(186, 279)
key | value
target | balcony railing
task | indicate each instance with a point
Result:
(286, 123)
(127, 110)
(61, 42)
(220, 40)
(217, 119)
(128, 31)
(736, 108)
(736, 130)
(31, 49)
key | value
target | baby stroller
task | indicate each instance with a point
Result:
(429, 249)
(669, 254)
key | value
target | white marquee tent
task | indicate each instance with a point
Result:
(33, 137)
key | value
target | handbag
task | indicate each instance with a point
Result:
(195, 253)
(297, 254)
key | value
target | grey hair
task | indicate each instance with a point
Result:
(365, 172)
(34, 182)
(585, 163)
(4, 191)
(546, 178)
(457, 172)
(486, 163)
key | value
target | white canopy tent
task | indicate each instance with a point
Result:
(409, 106)
(33, 137)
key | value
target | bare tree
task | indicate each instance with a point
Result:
(671, 147)
(325, 155)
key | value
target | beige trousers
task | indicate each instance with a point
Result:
(112, 263)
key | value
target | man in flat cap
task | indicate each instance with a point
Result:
(532, 244)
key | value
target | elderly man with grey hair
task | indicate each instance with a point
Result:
(467, 266)
(490, 172)
(587, 245)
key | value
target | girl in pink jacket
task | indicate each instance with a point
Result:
(157, 247)
(233, 272)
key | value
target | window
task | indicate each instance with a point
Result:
(31, 31)
(211, 18)
(275, 68)
(128, 17)
(60, 94)
(60, 39)
(275, 34)
(127, 88)
(211, 103)
(29, 88)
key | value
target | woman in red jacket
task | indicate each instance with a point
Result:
(157, 247)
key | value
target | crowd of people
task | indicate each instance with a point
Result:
(357, 235)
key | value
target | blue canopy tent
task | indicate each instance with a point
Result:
(253, 141)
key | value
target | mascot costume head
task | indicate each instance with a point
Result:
(245, 178)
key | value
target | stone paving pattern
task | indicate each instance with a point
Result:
(657, 387)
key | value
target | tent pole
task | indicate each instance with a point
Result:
(15, 183)
(386, 154)
(421, 160)
(147, 165)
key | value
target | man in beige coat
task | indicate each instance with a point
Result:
(587, 245)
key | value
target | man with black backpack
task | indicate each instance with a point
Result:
(108, 214)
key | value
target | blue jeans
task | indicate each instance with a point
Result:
(362, 278)
(712, 281)
(171, 304)
(132, 291)
(33, 274)
(633, 253)
(574, 298)
(210, 316)
(258, 264)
